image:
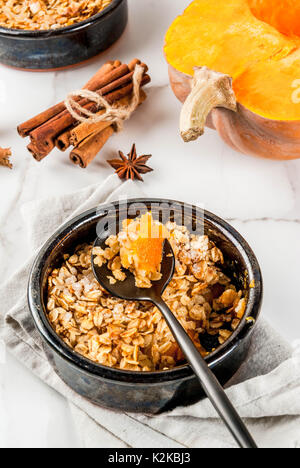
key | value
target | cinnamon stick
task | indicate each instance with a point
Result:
(93, 83)
(82, 131)
(43, 137)
(85, 129)
(88, 149)
(94, 136)
(63, 141)
(110, 70)
(136, 62)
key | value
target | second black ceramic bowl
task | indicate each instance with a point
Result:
(147, 392)
(60, 48)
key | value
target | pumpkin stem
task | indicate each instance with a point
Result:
(210, 89)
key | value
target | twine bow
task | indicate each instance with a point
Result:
(113, 113)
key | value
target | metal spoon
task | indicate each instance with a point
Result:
(128, 291)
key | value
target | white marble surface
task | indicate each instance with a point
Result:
(261, 198)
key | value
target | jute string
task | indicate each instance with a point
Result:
(113, 113)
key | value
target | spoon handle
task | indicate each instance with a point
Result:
(208, 380)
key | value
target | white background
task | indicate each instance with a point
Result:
(260, 198)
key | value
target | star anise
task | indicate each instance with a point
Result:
(4, 157)
(132, 166)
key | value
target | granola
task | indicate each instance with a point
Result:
(47, 14)
(134, 335)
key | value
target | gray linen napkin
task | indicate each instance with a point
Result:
(266, 390)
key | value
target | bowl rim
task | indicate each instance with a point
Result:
(245, 328)
(45, 33)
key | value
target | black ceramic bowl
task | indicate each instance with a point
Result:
(147, 392)
(60, 48)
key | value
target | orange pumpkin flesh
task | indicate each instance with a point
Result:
(256, 43)
(267, 88)
(283, 15)
(148, 247)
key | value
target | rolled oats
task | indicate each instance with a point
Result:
(134, 335)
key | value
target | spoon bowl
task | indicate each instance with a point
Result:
(127, 290)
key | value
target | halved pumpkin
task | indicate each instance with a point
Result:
(236, 65)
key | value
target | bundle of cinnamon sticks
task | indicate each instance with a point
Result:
(57, 128)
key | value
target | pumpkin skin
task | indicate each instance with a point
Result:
(243, 129)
